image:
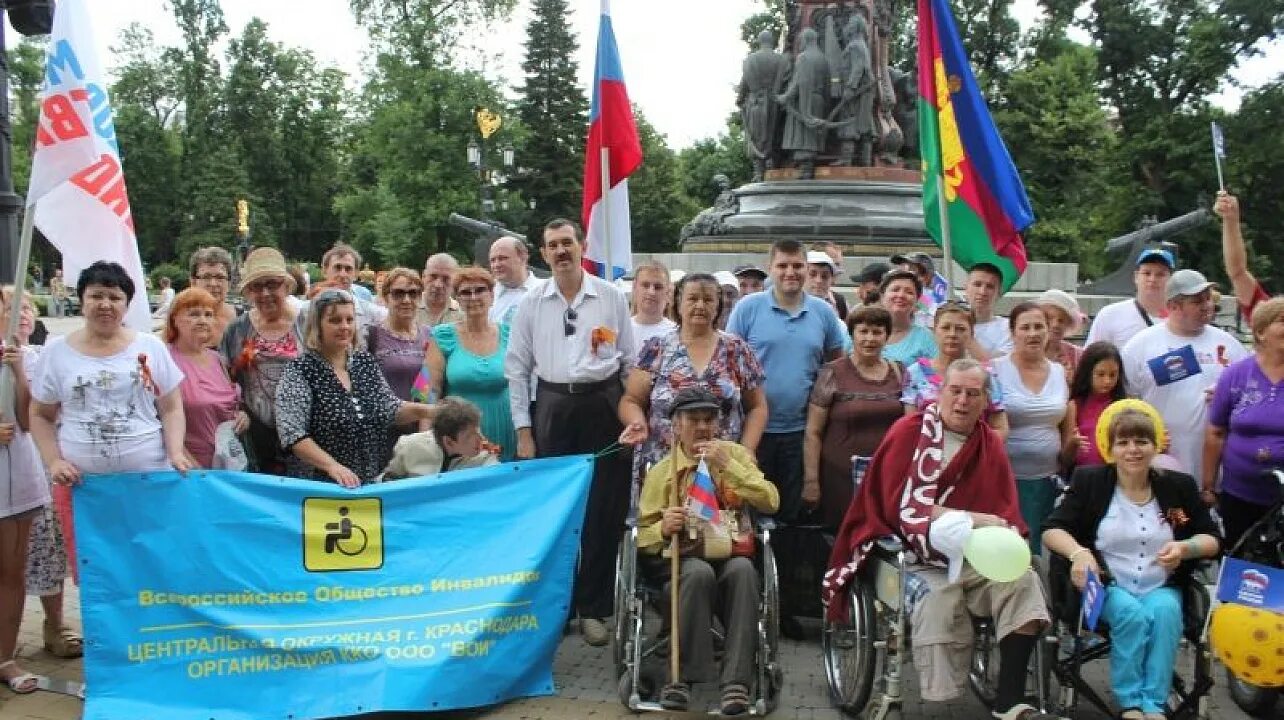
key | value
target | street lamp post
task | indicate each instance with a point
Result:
(28, 17)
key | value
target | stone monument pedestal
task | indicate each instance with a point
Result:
(867, 210)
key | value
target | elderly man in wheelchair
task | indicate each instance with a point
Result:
(717, 576)
(1142, 531)
(937, 474)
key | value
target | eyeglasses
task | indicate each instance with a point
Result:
(474, 292)
(213, 278)
(568, 321)
(404, 294)
(265, 286)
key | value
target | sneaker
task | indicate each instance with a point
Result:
(595, 632)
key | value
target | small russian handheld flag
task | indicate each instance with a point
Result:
(613, 153)
(702, 496)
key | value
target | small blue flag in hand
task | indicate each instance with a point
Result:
(1219, 142)
(1094, 598)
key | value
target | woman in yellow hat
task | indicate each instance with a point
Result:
(1141, 530)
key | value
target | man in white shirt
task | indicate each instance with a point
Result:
(574, 334)
(1119, 322)
(513, 278)
(1174, 365)
(439, 305)
(991, 336)
(651, 293)
(340, 264)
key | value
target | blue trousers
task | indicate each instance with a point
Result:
(1144, 634)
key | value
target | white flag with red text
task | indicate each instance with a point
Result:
(77, 184)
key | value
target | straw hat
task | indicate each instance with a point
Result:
(1065, 301)
(265, 262)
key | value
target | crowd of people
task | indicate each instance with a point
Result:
(771, 377)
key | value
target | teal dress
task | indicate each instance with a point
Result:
(481, 381)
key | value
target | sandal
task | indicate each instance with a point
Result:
(63, 642)
(24, 683)
(735, 699)
(675, 696)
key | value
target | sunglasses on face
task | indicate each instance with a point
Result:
(472, 292)
(404, 294)
(265, 286)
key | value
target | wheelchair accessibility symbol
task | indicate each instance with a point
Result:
(342, 534)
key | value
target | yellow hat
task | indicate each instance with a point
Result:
(262, 263)
(1108, 416)
(1250, 643)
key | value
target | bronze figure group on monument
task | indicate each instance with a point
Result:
(836, 101)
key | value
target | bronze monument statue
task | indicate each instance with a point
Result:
(764, 77)
(805, 106)
(853, 117)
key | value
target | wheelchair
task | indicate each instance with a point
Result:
(1263, 544)
(1186, 700)
(640, 638)
(864, 655)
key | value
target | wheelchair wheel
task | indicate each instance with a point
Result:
(848, 648)
(983, 677)
(771, 674)
(625, 579)
(1254, 700)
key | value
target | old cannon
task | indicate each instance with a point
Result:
(487, 233)
(1126, 249)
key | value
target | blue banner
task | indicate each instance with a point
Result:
(1175, 365)
(235, 596)
(1246, 583)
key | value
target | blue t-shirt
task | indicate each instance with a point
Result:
(790, 348)
(919, 343)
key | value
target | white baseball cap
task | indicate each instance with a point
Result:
(816, 257)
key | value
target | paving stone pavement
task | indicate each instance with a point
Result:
(586, 687)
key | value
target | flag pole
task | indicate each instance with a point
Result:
(609, 271)
(945, 235)
(15, 312)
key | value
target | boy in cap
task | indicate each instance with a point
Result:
(1119, 322)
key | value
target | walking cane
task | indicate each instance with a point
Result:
(675, 563)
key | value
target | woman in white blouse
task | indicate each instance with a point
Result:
(1035, 396)
(1146, 529)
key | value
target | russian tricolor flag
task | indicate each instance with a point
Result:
(702, 496)
(614, 151)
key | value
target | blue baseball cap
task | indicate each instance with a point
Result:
(1157, 255)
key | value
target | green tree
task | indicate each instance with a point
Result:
(553, 103)
(657, 204)
(1255, 171)
(1053, 122)
(721, 155)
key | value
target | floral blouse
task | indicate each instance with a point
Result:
(350, 425)
(732, 370)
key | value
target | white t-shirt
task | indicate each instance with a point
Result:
(994, 336)
(1034, 418)
(1182, 404)
(109, 420)
(1118, 323)
(642, 333)
(507, 298)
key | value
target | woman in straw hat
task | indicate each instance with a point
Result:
(256, 348)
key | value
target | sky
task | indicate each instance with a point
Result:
(681, 58)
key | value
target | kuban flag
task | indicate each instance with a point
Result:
(77, 190)
(613, 132)
(985, 203)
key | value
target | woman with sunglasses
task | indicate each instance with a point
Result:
(466, 359)
(333, 405)
(399, 342)
(256, 348)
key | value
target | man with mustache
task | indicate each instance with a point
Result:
(573, 335)
(792, 333)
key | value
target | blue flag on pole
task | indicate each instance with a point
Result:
(239, 596)
(1093, 600)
